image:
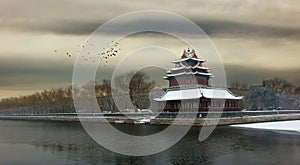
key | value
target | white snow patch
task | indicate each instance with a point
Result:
(196, 93)
(285, 127)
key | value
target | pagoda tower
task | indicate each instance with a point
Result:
(188, 70)
(189, 88)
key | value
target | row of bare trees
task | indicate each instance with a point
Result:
(135, 85)
(131, 91)
(60, 100)
(271, 94)
(279, 85)
(49, 101)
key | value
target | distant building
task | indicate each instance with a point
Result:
(189, 88)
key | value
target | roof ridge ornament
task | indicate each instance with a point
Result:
(189, 53)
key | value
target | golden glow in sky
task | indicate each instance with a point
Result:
(256, 39)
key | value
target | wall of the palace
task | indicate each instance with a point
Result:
(199, 105)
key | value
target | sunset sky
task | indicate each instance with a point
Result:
(256, 40)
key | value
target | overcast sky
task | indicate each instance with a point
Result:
(256, 39)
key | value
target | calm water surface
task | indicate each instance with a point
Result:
(31, 142)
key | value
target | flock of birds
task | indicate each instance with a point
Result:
(105, 53)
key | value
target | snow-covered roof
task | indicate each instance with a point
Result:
(187, 73)
(181, 95)
(196, 93)
(184, 59)
(190, 67)
(218, 94)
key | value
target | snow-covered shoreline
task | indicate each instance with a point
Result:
(283, 127)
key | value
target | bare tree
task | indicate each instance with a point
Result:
(139, 89)
(137, 86)
(297, 90)
(279, 85)
(260, 97)
(239, 85)
(60, 100)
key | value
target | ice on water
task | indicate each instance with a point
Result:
(285, 127)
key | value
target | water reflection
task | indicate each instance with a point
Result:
(27, 142)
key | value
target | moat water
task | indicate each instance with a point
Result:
(32, 142)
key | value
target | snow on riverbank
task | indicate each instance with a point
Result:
(285, 127)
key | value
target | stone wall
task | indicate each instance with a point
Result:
(226, 121)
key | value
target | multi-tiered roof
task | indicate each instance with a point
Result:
(190, 68)
(188, 81)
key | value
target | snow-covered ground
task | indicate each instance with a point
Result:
(284, 127)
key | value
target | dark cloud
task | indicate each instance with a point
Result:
(60, 27)
(255, 75)
(214, 28)
(35, 74)
(32, 72)
(218, 19)
(24, 66)
(6, 83)
(247, 30)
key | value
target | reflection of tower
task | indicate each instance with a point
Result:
(188, 70)
(189, 88)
